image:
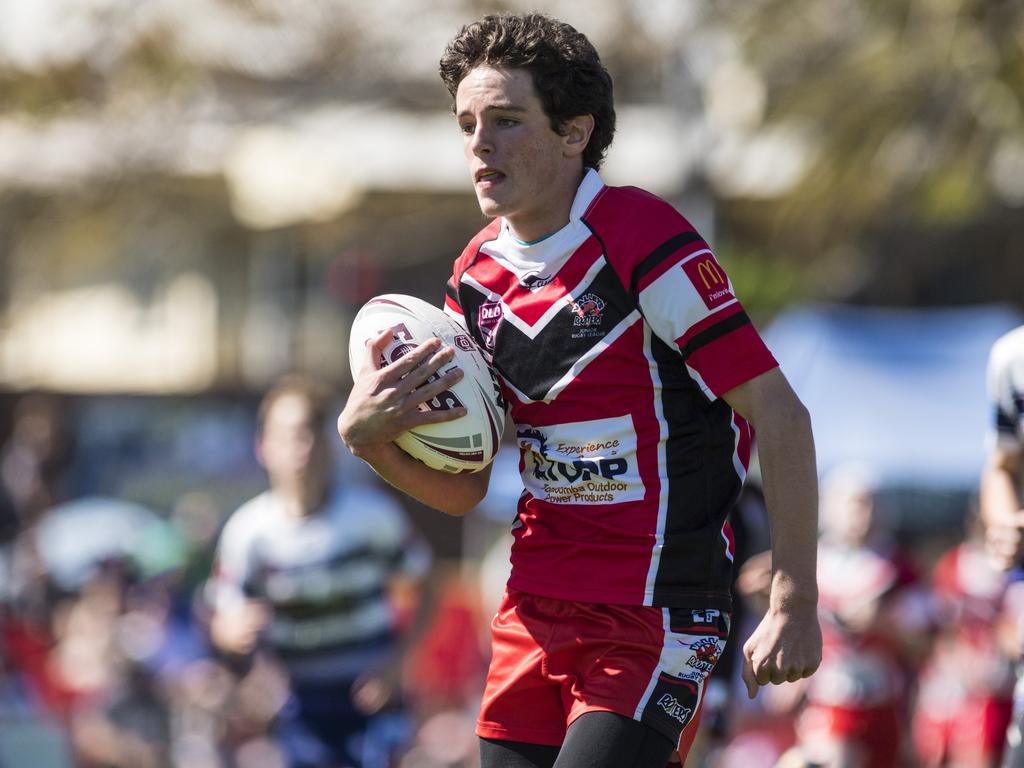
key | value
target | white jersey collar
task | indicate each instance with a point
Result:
(556, 243)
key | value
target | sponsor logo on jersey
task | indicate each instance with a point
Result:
(705, 655)
(534, 282)
(587, 316)
(670, 704)
(581, 463)
(709, 279)
(586, 309)
(487, 320)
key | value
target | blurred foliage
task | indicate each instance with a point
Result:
(912, 106)
(766, 285)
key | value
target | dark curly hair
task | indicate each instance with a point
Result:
(567, 72)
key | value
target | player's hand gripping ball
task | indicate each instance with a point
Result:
(466, 444)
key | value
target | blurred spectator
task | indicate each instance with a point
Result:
(310, 571)
(965, 692)
(33, 460)
(874, 621)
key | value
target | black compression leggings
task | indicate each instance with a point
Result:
(594, 740)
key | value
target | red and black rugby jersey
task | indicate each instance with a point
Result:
(614, 339)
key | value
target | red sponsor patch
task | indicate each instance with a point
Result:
(709, 279)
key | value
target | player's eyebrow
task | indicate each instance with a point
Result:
(498, 107)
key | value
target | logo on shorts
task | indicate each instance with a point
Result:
(487, 319)
(674, 709)
(709, 279)
(705, 655)
(706, 616)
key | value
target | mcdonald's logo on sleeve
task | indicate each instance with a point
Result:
(709, 279)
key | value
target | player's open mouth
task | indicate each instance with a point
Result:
(487, 177)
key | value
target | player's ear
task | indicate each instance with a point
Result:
(576, 133)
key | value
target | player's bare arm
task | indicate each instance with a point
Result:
(384, 402)
(1001, 506)
(786, 645)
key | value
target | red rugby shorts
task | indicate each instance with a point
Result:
(554, 660)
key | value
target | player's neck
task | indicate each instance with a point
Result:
(302, 501)
(540, 223)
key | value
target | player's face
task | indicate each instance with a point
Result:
(521, 167)
(292, 448)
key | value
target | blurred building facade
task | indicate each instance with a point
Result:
(198, 197)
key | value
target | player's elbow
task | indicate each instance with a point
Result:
(798, 417)
(785, 416)
(464, 504)
(462, 493)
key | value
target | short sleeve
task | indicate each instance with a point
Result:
(690, 304)
(1005, 392)
(233, 564)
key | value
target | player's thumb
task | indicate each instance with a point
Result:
(374, 347)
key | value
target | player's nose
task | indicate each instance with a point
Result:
(481, 142)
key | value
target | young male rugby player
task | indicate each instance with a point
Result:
(1002, 502)
(634, 379)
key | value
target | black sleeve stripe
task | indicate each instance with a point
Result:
(451, 290)
(716, 331)
(659, 254)
(1005, 422)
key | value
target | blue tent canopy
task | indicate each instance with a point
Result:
(900, 390)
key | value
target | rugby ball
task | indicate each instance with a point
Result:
(466, 444)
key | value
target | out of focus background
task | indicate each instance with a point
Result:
(197, 196)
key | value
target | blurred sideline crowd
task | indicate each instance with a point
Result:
(111, 656)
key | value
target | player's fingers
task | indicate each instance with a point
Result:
(421, 374)
(432, 389)
(419, 418)
(748, 678)
(414, 368)
(403, 365)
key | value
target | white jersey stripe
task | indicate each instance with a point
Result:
(468, 279)
(666, 626)
(592, 354)
(659, 536)
(741, 471)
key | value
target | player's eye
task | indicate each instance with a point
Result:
(467, 129)
(505, 122)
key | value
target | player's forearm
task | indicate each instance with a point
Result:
(789, 476)
(999, 498)
(453, 494)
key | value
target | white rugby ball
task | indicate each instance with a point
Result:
(466, 444)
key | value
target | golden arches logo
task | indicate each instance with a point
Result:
(710, 274)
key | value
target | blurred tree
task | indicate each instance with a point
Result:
(911, 113)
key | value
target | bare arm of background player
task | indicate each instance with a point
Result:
(786, 645)
(1001, 506)
(383, 404)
